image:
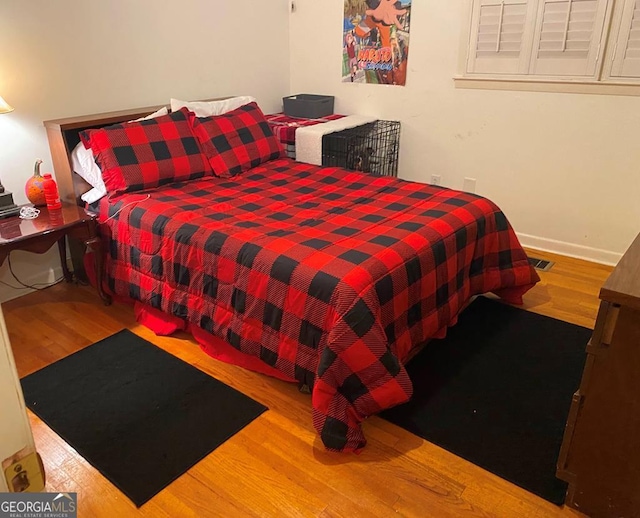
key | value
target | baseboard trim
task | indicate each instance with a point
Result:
(587, 253)
(40, 278)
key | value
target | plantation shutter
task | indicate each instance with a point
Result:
(567, 37)
(501, 36)
(626, 59)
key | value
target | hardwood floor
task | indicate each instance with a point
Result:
(277, 466)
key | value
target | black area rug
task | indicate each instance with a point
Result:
(497, 390)
(138, 414)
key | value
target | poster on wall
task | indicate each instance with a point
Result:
(375, 43)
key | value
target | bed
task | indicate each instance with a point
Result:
(322, 276)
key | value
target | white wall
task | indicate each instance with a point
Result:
(563, 167)
(75, 57)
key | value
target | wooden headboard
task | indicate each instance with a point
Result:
(63, 135)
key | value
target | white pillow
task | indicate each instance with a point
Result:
(85, 165)
(162, 111)
(93, 195)
(209, 108)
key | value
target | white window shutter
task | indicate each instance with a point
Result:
(501, 36)
(626, 61)
(568, 37)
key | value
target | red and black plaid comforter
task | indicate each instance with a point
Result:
(284, 128)
(327, 275)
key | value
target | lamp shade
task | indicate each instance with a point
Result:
(4, 107)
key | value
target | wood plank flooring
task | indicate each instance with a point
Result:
(277, 466)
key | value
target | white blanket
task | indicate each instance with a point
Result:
(309, 138)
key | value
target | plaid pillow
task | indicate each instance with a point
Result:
(237, 140)
(140, 155)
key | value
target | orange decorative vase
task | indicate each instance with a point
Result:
(35, 187)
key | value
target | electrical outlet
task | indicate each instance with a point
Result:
(435, 179)
(469, 184)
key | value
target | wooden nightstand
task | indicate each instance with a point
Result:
(50, 227)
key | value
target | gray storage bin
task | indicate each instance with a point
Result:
(308, 106)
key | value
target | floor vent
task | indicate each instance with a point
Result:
(540, 264)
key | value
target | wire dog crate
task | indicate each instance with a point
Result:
(370, 148)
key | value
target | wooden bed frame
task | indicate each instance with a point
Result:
(63, 135)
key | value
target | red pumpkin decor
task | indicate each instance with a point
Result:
(35, 187)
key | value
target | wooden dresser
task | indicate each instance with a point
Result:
(600, 454)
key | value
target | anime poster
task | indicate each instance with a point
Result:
(376, 41)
